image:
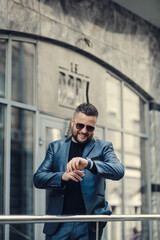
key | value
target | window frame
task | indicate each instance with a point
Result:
(145, 136)
(8, 104)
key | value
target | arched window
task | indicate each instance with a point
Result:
(127, 128)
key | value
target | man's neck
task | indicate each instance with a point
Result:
(73, 140)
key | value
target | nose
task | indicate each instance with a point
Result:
(84, 130)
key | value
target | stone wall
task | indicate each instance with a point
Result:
(102, 28)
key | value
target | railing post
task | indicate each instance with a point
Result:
(97, 230)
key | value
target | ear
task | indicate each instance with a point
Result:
(72, 121)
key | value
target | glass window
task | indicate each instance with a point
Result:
(115, 138)
(2, 67)
(21, 77)
(52, 134)
(114, 190)
(2, 121)
(132, 151)
(128, 138)
(133, 199)
(135, 179)
(113, 93)
(23, 55)
(21, 189)
(134, 112)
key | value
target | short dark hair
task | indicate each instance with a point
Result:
(86, 108)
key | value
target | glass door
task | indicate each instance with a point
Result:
(50, 129)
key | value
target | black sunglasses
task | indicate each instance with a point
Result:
(80, 126)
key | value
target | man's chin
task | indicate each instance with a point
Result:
(81, 141)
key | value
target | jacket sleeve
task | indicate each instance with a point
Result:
(45, 177)
(110, 167)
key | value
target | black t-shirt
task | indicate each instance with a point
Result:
(73, 199)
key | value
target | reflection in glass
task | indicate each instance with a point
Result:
(113, 93)
(133, 199)
(136, 184)
(2, 121)
(132, 151)
(52, 134)
(21, 189)
(23, 55)
(114, 190)
(134, 154)
(114, 197)
(134, 112)
(2, 67)
(115, 138)
(132, 158)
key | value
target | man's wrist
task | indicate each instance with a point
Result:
(90, 163)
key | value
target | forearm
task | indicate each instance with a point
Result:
(46, 180)
(113, 171)
(109, 166)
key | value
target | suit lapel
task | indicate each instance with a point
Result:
(65, 153)
(88, 148)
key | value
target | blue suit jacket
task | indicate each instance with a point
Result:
(49, 174)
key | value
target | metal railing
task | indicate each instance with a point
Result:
(20, 219)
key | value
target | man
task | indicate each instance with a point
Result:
(75, 170)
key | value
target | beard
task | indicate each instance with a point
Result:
(75, 136)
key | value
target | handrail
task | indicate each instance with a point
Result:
(18, 219)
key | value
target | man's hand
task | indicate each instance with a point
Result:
(76, 163)
(74, 175)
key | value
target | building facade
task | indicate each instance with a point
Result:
(55, 55)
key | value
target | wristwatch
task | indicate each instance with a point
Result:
(89, 163)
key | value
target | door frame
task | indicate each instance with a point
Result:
(40, 194)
